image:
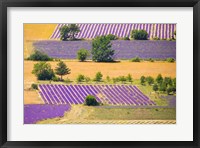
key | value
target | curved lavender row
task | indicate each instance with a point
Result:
(123, 49)
(36, 112)
(109, 94)
(163, 31)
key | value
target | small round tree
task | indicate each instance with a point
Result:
(150, 80)
(62, 69)
(139, 34)
(80, 78)
(98, 77)
(91, 101)
(129, 78)
(142, 80)
(155, 87)
(82, 54)
(159, 79)
(43, 71)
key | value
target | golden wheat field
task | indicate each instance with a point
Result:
(34, 32)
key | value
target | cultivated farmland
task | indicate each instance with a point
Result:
(107, 94)
(162, 31)
(123, 49)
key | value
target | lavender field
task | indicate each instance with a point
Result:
(163, 31)
(123, 49)
(37, 112)
(106, 94)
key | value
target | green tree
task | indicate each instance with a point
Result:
(69, 32)
(168, 81)
(142, 80)
(91, 101)
(39, 56)
(163, 87)
(101, 49)
(98, 77)
(129, 78)
(64, 33)
(159, 79)
(174, 82)
(74, 30)
(150, 80)
(139, 34)
(80, 78)
(155, 87)
(43, 71)
(82, 54)
(62, 69)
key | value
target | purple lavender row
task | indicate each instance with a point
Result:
(163, 31)
(123, 49)
(110, 94)
(37, 112)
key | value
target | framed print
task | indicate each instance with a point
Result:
(114, 73)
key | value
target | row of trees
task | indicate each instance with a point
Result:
(43, 71)
(166, 84)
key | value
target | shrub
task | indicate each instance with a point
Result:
(91, 101)
(82, 54)
(87, 79)
(168, 81)
(34, 86)
(43, 71)
(108, 79)
(163, 87)
(39, 56)
(136, 59)
(126, 38)
(155, 87)
(156, 38)
(62, 69)
(101, 49)
(67, 80)
(171, 90)
(56, 79)
(115, 80)
(151, 60)
(122, 79)
(142, 80)
(150, 80)
(98, 77)
(174, 82)
(159, 79)
(139, 34)
(129, 78)
(112, 37)
(80, 78)
(170, 60)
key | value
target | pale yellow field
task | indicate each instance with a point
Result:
(34, 32)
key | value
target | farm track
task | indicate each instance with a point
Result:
(115, 122)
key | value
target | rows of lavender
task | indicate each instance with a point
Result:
(106, 94)
(37, 112)
(123, 49)
(163, 31)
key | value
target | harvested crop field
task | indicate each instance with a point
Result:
(107, 69)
